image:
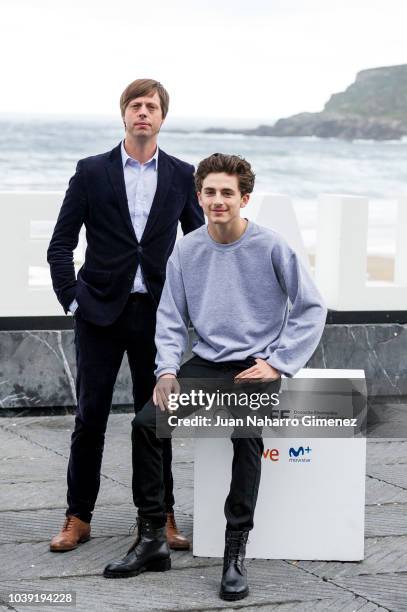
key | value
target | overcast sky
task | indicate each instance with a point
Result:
(243, 58)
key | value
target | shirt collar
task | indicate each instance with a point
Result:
(126, 157)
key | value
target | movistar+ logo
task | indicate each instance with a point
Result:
(300, 455)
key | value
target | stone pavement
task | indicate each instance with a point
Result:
(33, 458)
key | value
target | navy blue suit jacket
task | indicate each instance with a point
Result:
(96, 197)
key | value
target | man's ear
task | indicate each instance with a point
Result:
(245, 199)
(198, 193)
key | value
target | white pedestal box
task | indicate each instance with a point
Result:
(305, 510)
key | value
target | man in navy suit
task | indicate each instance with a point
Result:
(130, 201)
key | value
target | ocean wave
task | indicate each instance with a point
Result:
(370, 141)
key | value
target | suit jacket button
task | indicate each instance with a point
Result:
(139, 249)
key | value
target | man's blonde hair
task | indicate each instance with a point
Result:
(145, 87)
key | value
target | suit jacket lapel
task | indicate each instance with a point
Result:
(116, 176)
(164, 178)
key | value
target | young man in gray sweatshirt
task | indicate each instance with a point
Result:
(234, 280)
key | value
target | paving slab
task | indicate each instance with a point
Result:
(12, 446)
(54, 431)
(40, 525)
(89, 559)
(378, 492)
(389, 519)
(33, 459)
(52, 494)
(338, 604)
(187, 589)
(382, 556)
(395, 473)
(386, 452)
(347, 603)
(389, 590)
(30, 468)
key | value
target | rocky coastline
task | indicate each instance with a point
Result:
(374, 107)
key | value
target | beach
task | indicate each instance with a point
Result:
(378, 268)
(40, 154)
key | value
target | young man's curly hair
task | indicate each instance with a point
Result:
(229, 164)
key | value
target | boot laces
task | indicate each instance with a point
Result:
(235, 549)
(68, 524)
(137, 525)
(133, 528)
(142, 526)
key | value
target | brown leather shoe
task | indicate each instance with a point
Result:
(175, 539)
(73, 532)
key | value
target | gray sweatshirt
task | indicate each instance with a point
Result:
(237, 298)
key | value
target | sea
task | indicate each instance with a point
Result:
(40, 153)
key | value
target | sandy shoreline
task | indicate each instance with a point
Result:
(379, 268)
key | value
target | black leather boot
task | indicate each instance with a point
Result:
(149, 553)
(234, 578)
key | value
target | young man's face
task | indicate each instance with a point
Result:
(220, 197)
(143, 116)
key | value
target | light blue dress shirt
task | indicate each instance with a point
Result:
(141, 184)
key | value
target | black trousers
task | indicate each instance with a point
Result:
(147, 450)
(99, 353)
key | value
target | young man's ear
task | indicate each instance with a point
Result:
(198, 194)
(245, 199)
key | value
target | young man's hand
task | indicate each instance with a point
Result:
(166, 384)
(261, 371)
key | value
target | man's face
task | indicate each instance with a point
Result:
(143, 116)
(220, 197)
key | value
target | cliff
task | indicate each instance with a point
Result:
(373, 107)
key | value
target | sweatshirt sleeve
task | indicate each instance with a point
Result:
(171, 337)
(306, 319)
